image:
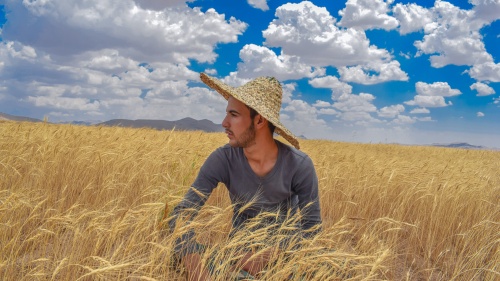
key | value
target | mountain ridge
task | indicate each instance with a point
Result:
(191, 124)
(187, 124)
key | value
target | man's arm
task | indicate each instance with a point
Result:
(305, 185)
(195, 271)
(211, 173)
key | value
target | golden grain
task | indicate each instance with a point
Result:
(88, 203)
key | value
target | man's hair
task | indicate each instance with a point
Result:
(254, 113)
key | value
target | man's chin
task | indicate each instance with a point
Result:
(233, 143)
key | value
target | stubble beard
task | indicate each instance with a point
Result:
(247, 138)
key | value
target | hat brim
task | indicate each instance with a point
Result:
(227, 91)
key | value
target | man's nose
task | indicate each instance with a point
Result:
(225, 124)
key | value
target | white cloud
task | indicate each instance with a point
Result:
(367, 14)
(452, 35)
(211, 71)
(175, 34)
(436, 89)
(482, 89)
(488, 71)
(405, 55)
(420, 111)
(432, 95)
(20, 51)
(403, 119)
(391, 111)
(358, 117)
(486, 10)
(411, 17)
(453, 38)
(309, 32)
(288, 90)
(425, 119)
(259, 4)
(261, 61)
(158, 5)
(106, 60)
(331, 82)
(65, 103)
(428, 101)
(479, 114)
(355, 103)
(111, 59)
(328, 111)
(363, 74)
(320, 103)
(302, 119)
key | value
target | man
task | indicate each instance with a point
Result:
(254, 167)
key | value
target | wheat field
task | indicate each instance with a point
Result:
(88, 203)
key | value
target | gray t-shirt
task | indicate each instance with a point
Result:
(291, 184)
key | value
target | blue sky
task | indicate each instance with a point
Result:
(411, 72)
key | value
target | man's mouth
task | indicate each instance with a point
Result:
(229, 133)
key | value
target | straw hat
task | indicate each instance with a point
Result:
(262, 94)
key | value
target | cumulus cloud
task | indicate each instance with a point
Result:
(261, 61)
(358, 117)
(436, 89)
(411, 17)
(367, 14)
(320, 103)
(480, 114)
(302, 119)
(488, 71)
(349, 107)
(259, 4)
(111, 59)
(482, 89)
(338, 87)
(391, 111)
(452, 35)
(420, 111)
(158, 5)
(425, 119)
(351, 102)
(486, 10)
(175, 34)
(428, 101)
(364, 74)
(403, 119)
(211, 71)
(328, 111)
(432, 95)
(309, 32)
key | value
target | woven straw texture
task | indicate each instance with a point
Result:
(263, 94)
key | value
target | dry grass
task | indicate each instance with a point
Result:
(84, 203)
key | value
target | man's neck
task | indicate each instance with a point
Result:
(262, 152)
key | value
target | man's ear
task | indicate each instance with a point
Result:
(260, 121)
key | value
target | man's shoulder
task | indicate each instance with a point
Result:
(291, 153)
(228, 151)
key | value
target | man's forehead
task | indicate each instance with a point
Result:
(234, 104)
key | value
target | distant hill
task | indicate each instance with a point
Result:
(82, 123)
(460, 145)
(5, 116)
(186, 124)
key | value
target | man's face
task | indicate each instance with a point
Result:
(239, 127)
